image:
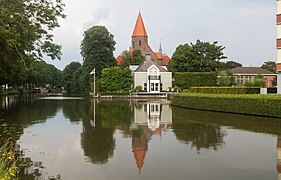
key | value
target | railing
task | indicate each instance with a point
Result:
(154, 77)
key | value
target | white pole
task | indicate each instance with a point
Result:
(95, 84)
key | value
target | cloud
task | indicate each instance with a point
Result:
(98, 17)
(246, 28)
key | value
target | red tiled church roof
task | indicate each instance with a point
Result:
(139, 27)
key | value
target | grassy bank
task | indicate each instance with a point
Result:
(252, 104)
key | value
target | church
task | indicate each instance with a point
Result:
(152, 74)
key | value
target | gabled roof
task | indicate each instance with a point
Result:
(139, 27)
(143, 67)
(165, 60)
(251, 71)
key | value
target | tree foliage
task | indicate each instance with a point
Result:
(134, 58)
(97, 49)
(68, 76)
(42, 73)
(225, 78)
(270, 66)
(25, 28)
(116, 79)
(231, 65)
(198, 57)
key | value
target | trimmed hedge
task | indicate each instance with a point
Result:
(261, 105)
(230, 90)
(225, 90)
(185, 80)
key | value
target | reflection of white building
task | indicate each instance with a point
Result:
(154, 115)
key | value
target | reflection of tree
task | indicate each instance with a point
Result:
(76, 109)
(98, 143)
(116, 114)
(22, 112)
(246, 122)
(200, 135)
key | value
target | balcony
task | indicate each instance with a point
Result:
(154, 77)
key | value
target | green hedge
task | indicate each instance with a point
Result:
(185, 80)
(225, 90)
(261, 105)
(230, 90)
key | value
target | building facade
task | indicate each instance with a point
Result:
(278, 45)
(248, 74)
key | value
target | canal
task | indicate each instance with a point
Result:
(79, 138)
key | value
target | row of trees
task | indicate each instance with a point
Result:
(25, 36)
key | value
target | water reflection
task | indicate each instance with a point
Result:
(98, 125)
(150, 118)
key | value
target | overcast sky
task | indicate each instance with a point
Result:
(247, 28)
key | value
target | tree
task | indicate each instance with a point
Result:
(116, 79)
(270, 66)
(231, 65)
(137, 57)
(198, 57)
(25, 30)
(42, 73)
(225, 78)
(68, 76)
(97, 51)
(134, 58)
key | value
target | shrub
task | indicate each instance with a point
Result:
(262, 105)
(185, 80)
(225, 78)
(138, 88)
(225, 90)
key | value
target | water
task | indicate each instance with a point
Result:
(76, 138)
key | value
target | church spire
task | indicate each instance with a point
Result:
(160, 48)
(139, 28)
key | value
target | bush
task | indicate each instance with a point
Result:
(185, 80)
(225, 90)
(138, 88)
(262, 105)
(225, 78)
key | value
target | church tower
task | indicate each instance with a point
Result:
(139, 35)
(278, 45)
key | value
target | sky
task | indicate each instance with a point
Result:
(246, 28)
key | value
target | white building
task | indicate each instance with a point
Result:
(152, 77)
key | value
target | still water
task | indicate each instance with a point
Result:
(76, 138)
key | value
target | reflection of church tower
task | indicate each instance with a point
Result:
(279, 157)
(140, 145)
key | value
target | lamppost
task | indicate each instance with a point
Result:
(94, 72)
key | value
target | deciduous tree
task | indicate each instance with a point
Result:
(97, 51)
(270, 66)
(198, 57)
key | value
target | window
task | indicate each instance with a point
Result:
(156, 86)
(147, 57)
(152, 87)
